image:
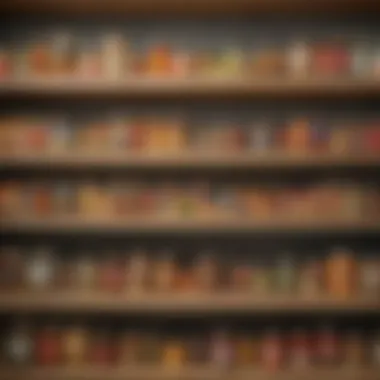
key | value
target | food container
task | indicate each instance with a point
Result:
(285, 274)
(74, 346)
(261, 279)
(60, 137)
(89, 65)
(19, 345)
(62, 54)
(40, 270)
(206, 272)
(39, 58)
(130, 346)
(84, 273)
(174, 355)
(12, 268)
(298, 136)
(272, 354)
(164, 273)
(222, 354)
(113, 58)
(310, 278)
(260, 137)
(5, 64)
(41, 200)
(111, 274)
(138, 270)
(369, 277)
(327, 346)
(100, 350)
(48, 348)
(245, 352)
(361, 59)
(300, 356)
(241, 278)
(298, 59)
(159, 60)
(354, 354)
(341, 273)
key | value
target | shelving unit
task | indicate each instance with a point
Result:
(227, 304)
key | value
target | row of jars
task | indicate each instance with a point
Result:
(271, 349)
(112, 57)
(340, 274)
(174, 136)
(199, 200)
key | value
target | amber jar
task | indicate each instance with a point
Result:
(74, 345)
(298, 137)
(341, 273)
(19, 345)
(48, 349)
(174, 354)
(12, 269)
(272, 351)
(245, 351)
(159, 60)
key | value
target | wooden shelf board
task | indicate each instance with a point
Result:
(157, 373)
(185, 225)
(191, 87)
(191, 7)
(77, 161)
(21, 301)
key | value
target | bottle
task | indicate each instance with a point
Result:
(353, 350)
(113, 56)
(369, 278)
(100, 348)
(221, 350)
(285, 275)
(40, 270)
(84, 273)
(12, 268)
(327, 347)
(137, 272)
(300, 351)
(310, 278)
(298, 59)
(173, 354)
(205, 273)
(165, 270)
(112, 274)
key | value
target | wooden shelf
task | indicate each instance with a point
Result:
(191, 87)
(78, 161)
(192, 7)
(157, 373)
(185, 225)
(187, 303)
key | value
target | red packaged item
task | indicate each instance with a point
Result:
(48, 349)
(327, 347)
(300, 353)
(272, 353)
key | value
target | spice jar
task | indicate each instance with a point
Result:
(89, 62)
(369, 278)
(298, 136)
(221, 349)
(327, 347)
(361, 58)
(111, 274)
(244, 352)
(100, 348)
(41, 200)
(300, 351)
(39, 59)
(341, 273)
(310, 278)
(261, 279)
(260, 137)
(60, 136)
(151, 348)
(11, 268)
(174, 354)
(40, 270)
(353, 350)
(299, 59)
(130, 347)
(164, 273)
(137, 272)
(63, 200)
(159, 60)
(272, 354)
(48, 349)
(197, 349)
(84, 273)
(62, 54)
(74, 345)
(376, 350)
(112, 56)
(241, 278)
(19, 345)
(206, 273)
(285, 274)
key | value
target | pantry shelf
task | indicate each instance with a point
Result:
(193, 87)
(165, 7)
(187, 225)
(94, 373)
(193, 303)
(196, 160)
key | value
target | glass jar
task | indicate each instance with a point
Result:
(174, 354)
(138, 268)
(369, 282)
(40, 270)
(112, 274)
(112, 56)
(341, 273)
(300, 353)
(285, 274)
(261, 279)
(84, 273)
(74, 345)
(244, 351)
(221, 349)
(19, 345)
(310, 278)
(48, 346)
(299, 59)
(260, 138)
(100, 348)
(272, 354)
(206, 273)
(130, 346)
(241, 278)
(165, 270)
(327, 347)
(353, 350)
(12, 268)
